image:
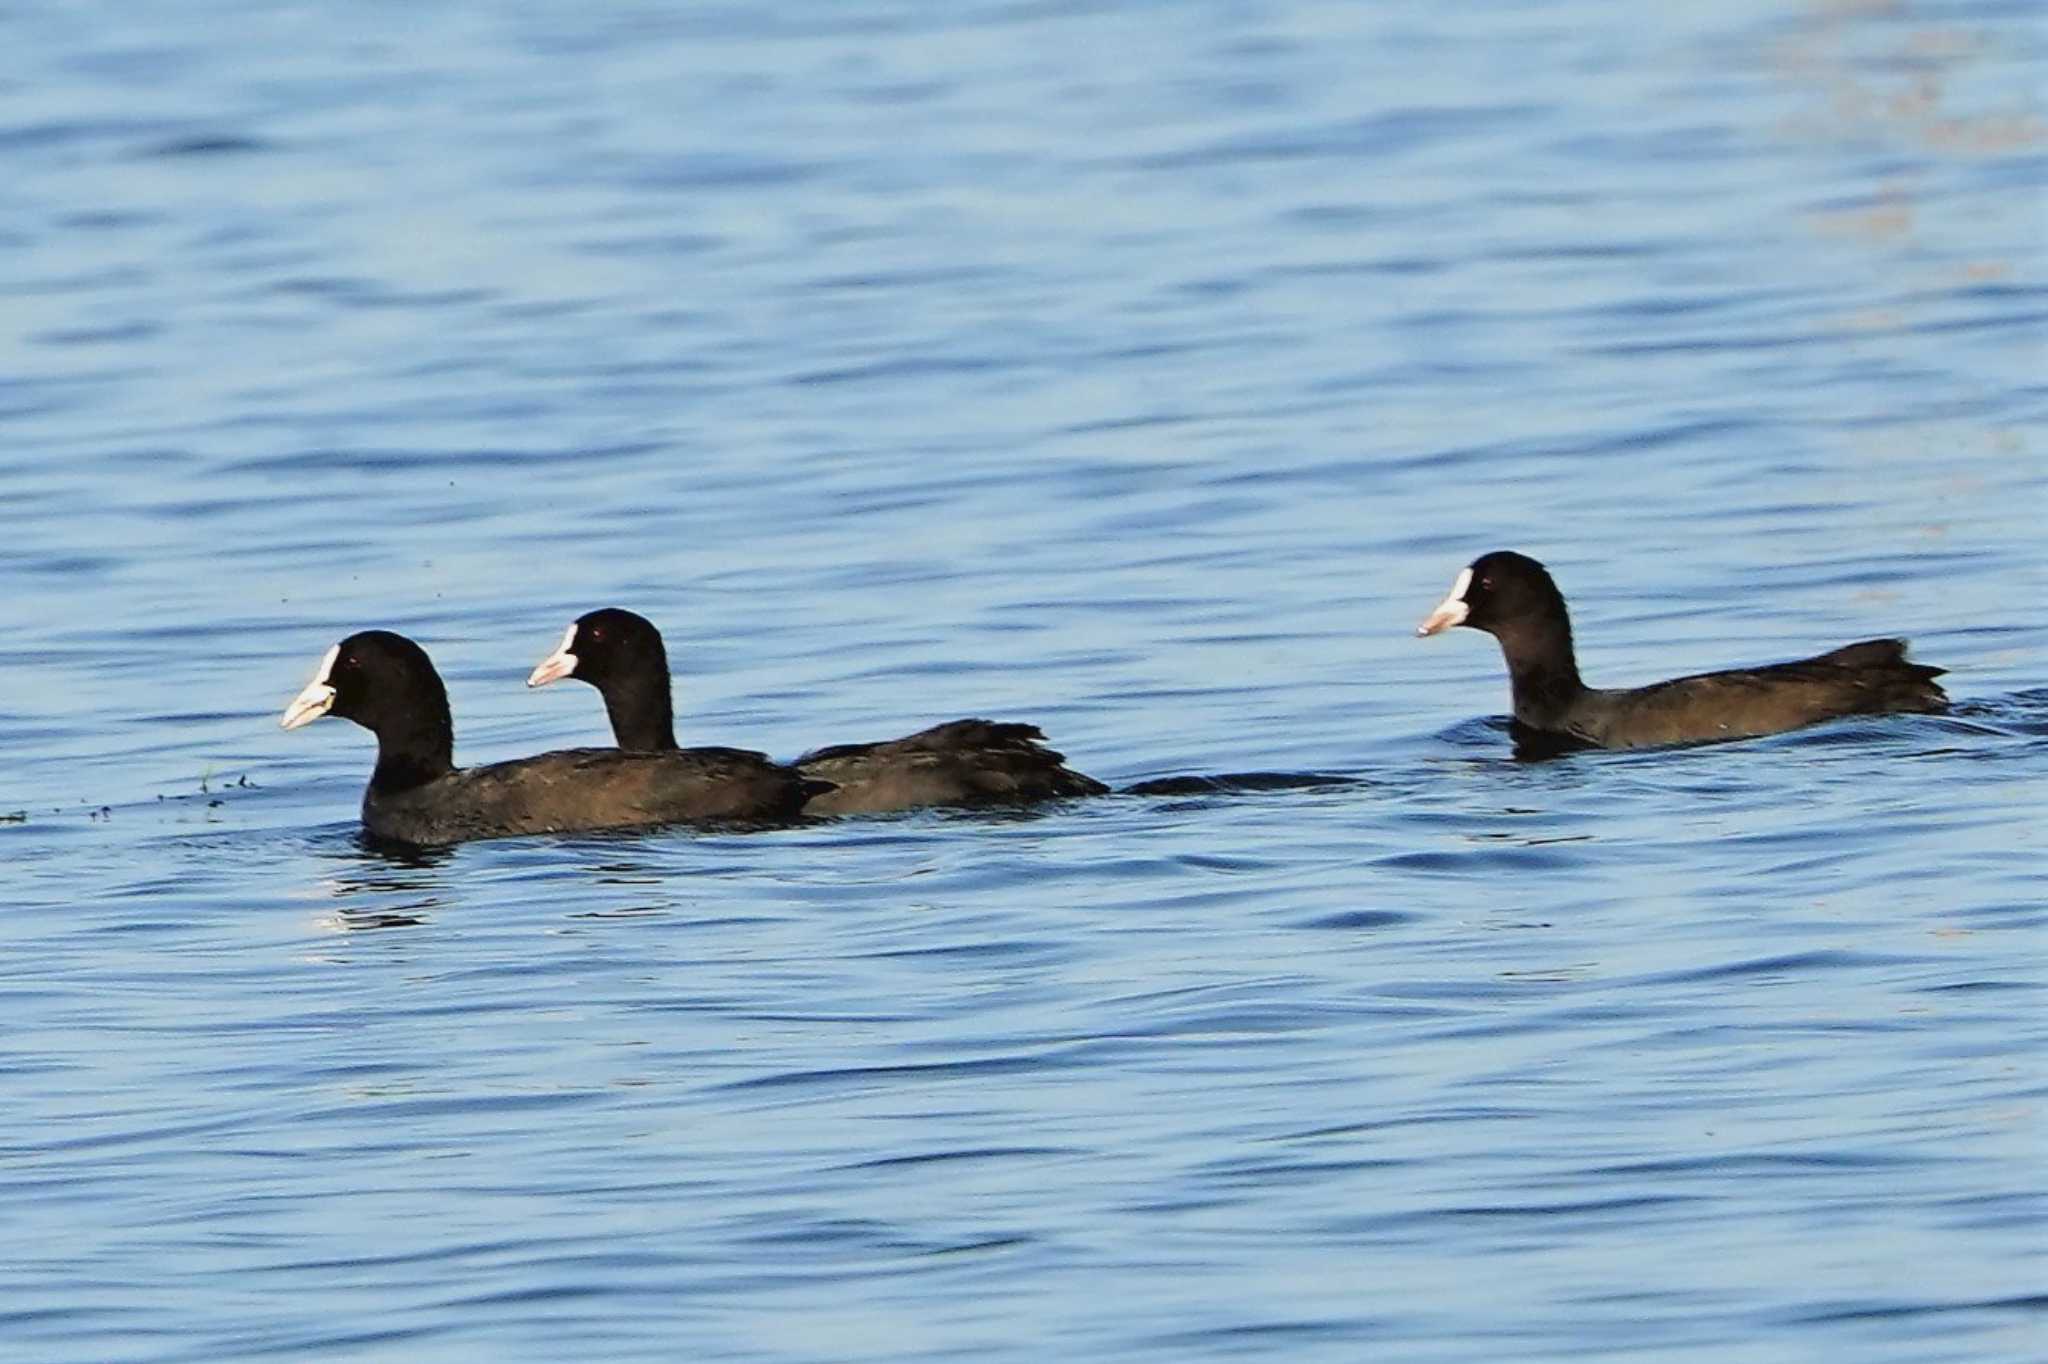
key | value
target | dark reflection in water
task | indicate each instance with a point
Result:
(366, 920)
(1228, 783)
(382, 884)
(399, 865)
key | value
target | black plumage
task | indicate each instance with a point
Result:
(387, 684)
(959, 763)
(1514, 599)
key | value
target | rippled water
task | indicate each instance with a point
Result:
(1141, 369)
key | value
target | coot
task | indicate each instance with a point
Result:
(1514, 599)
(385, 683)
(962, 762)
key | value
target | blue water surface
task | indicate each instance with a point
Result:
(1144, 370)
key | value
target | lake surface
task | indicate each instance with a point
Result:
(1143, 370)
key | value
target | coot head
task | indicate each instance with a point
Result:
(1496, 591)
(386, 684)
(378, 679)
(603, 645)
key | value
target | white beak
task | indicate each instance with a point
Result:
(557, 665)
(1451, 610)
(316, 700)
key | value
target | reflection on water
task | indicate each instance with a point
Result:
(362, 920)
(393, 865)
(1873, 69)
(381, 883)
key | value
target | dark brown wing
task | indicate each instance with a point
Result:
(954, 736)
(1867, 678)
(961, 762)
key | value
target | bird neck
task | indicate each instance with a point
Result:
(1542, 668)
(642, 715)
(412, 750)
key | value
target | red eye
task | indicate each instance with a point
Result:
(597, 634)
(1486, 584)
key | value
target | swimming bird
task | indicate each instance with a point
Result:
(1514, 599)
(959, 763)
(387, 684)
